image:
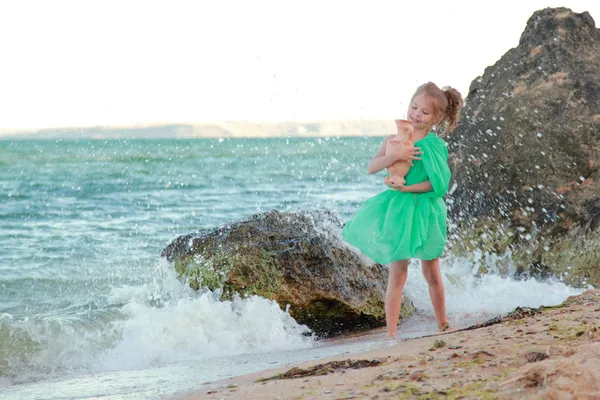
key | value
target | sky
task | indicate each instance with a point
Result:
(116, 63)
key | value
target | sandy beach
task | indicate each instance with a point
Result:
(547, 353)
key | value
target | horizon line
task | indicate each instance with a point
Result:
(191, 124)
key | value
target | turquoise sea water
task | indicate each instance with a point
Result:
(86, 304)
(79, 217)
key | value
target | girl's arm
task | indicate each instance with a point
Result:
(420, 187)
(382, 160)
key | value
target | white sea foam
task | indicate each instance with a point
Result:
(194, 327)
(166, 332)
(491, 294)
(147, 326)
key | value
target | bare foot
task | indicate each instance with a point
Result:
(444, 326)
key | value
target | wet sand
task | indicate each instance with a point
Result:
(550, 353)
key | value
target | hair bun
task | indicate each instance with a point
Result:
(455, 104)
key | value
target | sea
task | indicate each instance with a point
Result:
(89, 309)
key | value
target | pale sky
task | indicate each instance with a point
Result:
(87, 63)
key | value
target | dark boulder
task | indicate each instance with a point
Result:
(526, 154)
(295, 259)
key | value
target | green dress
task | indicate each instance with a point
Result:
(395, 225)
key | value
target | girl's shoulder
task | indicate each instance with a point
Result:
(432, 145)
(433, 139)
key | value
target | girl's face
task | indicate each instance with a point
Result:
(421, 112)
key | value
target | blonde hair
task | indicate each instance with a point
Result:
(447, 104)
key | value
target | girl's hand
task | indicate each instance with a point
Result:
(407, 154)
(400, 187)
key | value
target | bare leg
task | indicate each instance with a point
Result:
(433, 276)
(398, 272)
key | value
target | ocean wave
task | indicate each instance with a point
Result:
(144, 326)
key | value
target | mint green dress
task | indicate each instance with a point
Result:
(395, 225)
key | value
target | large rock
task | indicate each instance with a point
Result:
(526, 154)
(294, 259)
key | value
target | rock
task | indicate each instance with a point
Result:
(291, 258)
(535, 356)
(525, 156)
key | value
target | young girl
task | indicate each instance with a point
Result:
(409, 221)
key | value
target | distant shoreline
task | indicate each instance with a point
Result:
(233, 129)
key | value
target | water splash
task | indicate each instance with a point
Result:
(144, 326)
(470, 295)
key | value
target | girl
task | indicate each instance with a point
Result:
(410, 220)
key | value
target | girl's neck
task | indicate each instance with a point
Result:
(420, 134)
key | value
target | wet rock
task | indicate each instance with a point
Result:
(295, 259)
(526, 154)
